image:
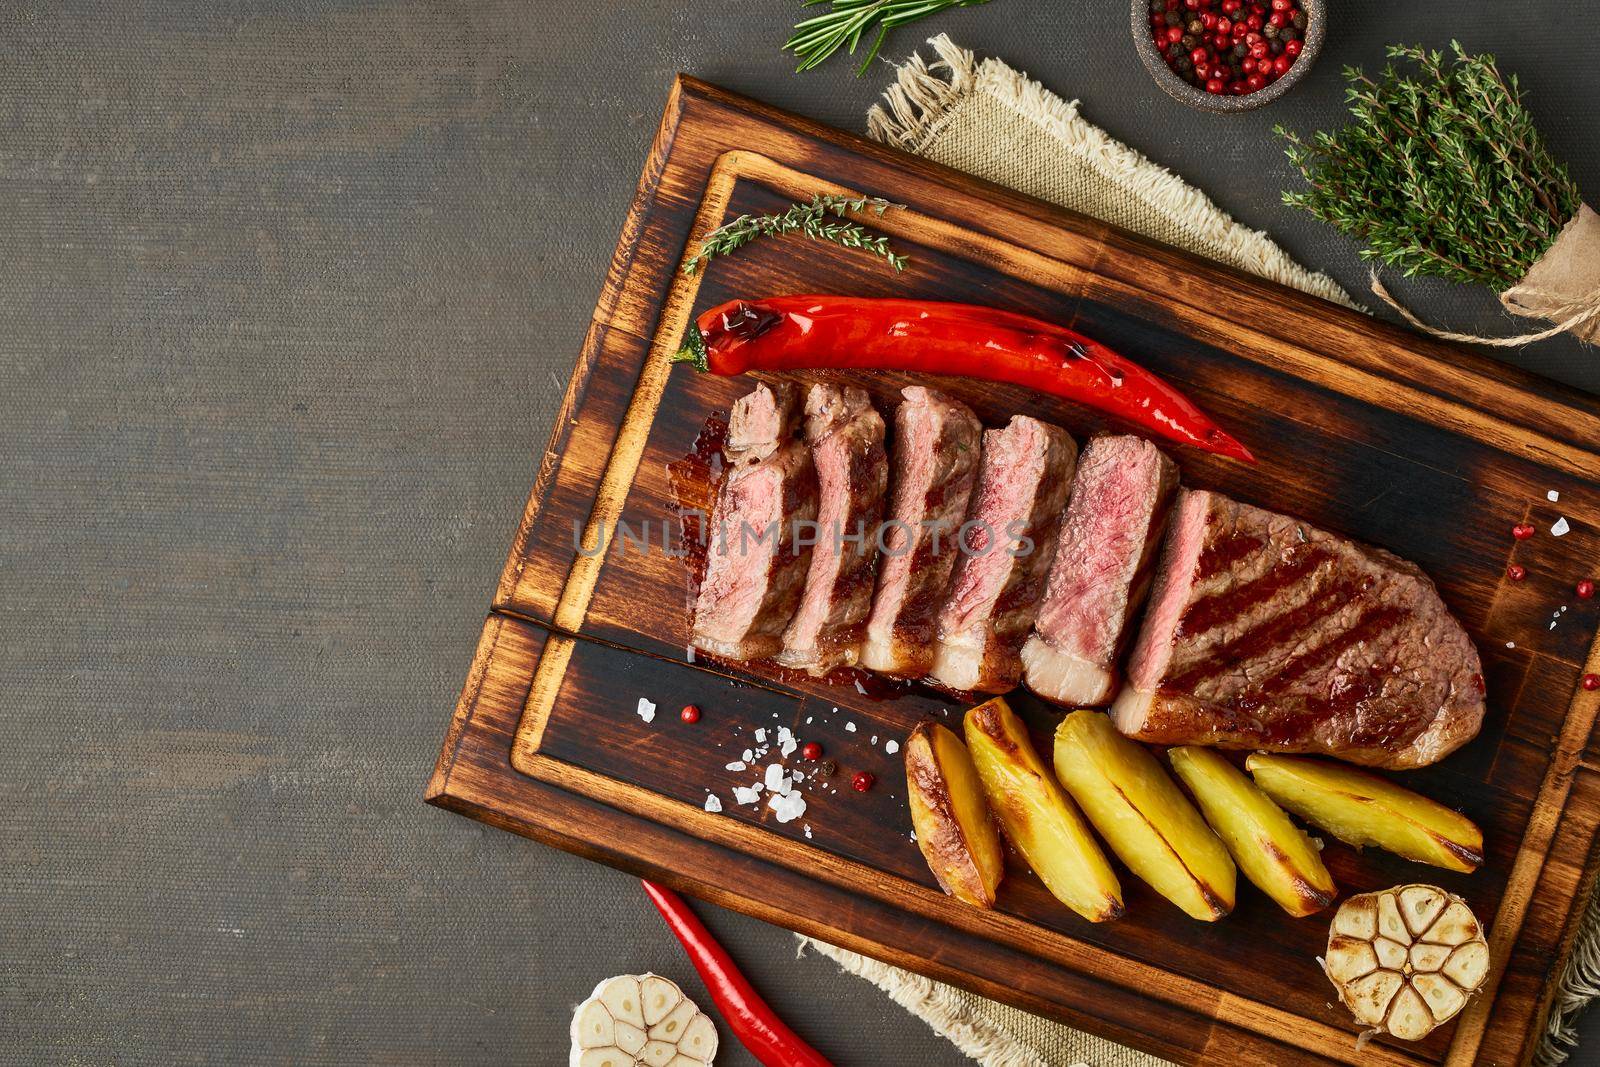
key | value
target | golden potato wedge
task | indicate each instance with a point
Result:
(1274, 853)
(955, 829)
(1360, 808)
(1143, 815)
(1036, 815)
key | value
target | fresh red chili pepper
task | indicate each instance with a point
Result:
(808, 332)
(755, 1024)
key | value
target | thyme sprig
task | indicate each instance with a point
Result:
(815, 220)
(1440, 173)
(842, 25)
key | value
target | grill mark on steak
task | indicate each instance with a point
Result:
(1208, 613)
(1222, 554)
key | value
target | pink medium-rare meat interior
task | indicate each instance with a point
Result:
(846, 438)
(934, 458)
(1113, 523)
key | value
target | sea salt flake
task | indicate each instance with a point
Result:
(736, 765)
(891, 747)
(761, 734)
(850, 727)
(788, 746)
(784, 734)
(1561, 528)
(776, 780)
(647, 710)
(713, 803)
(788, 807)
(747, 755)
(1552, 496)
(747, 794)
(860, 688)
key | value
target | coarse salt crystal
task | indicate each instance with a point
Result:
(747, 756)
(874, 738)
(776, 780)
(784, 734)
(788, 807)
(1561, 527)
(713, 803)
(690, 651)
(788, 746)
(761, 734)
(808, 829)
(736, 765)
(860, 688)
(808, 720)
(1552, 496)
(747, 794)
(850, 727)
(1511, 644)
(892, 747)
(647, 710)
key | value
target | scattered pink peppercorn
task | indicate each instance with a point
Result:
(1522, 531)
(1591, 682)
(1585, 589)
(690, 713)
(811, 750)
(1516, 572)
(865, 780)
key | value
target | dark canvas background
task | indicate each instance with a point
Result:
(288, 295)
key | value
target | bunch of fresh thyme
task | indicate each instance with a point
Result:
(843, 24)
(813, 220)
(1441, 173)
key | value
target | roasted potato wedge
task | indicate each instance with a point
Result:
(1143, 815)
(1360, 808)
(1272, 851)
(955, 829)
(1038, 818)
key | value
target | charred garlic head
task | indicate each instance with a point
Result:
(1405, 960)
(635, 1019)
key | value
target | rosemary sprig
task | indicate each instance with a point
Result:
(814, 220)
(1440, 173)
(842, 25)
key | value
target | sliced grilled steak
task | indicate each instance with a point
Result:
(1266, 633)
(1104, 557)
(937, 442)
(1009, 539)
(846, 438)
(755, 566)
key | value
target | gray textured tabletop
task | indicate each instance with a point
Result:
(290, 294)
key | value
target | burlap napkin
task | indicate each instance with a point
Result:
(989, 120)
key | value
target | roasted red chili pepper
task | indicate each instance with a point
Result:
(807, 332)
(747, 1015)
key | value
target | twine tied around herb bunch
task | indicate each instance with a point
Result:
(1443, 173)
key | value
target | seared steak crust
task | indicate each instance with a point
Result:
(846, 438)
(1264, 632)
(755, 567)
(937, 443)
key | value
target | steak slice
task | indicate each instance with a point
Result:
(1104, 558)
(846, 438)
(755, 565)
(937, 442)
(1266, 633)
(1007, 544)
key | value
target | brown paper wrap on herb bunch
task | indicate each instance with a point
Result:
(1443, 173)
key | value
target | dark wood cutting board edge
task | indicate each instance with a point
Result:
(1553, 867)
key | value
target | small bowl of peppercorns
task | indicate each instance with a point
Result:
(1228, 55)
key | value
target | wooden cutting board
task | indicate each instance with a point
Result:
(1422, 448)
